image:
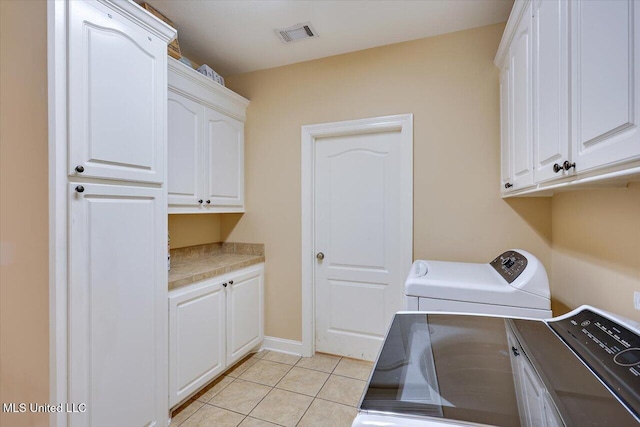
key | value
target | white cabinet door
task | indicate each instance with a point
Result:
(224, 157)
(533, 393)
(245, 328)
(196, 338)
(117, 305)
(521, 149)
(185, 183)
(505, 131)
(550, 87)
(605, 84)
(551, 416)
(117, 96)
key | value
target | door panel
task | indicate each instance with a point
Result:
(116, 131)
(185, 122)
(521, 140)
(550, 86)
(604, 73)
(360, 280)
(244, 313)
(117, 305)
(197, 339)
(224, 152)
(505, 130)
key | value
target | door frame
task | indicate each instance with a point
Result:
(402, 123)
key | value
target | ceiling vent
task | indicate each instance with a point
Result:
(296, 33)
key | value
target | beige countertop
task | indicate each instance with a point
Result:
(196, 263)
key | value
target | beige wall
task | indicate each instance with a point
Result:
(450, 84)
(195, 229)
(24, 288)
(596, 249)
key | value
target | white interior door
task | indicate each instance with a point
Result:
(359, 188)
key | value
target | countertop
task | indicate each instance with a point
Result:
(196, 263)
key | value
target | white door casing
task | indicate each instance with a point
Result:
(357, 208)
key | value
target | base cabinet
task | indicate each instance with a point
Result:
(535, 406)
(212, 325)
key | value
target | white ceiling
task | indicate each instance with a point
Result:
(236, 36)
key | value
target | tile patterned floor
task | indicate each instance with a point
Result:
(270, 389)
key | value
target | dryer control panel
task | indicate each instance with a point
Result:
(510, 265)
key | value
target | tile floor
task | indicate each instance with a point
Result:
(277, 389)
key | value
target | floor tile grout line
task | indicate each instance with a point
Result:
(265, 396)
(337, 403)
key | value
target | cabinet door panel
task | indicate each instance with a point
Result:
(244, 313)
(605, 88)
(196, 339)
(117, 96)
(184, 174)
(550, 86)
(117, 295)
(521, 140)
(224, 154)
(505, 130)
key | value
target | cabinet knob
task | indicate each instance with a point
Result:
(320, 256)
(200, 201)
(79, 168)
(231, 282)
(208, 202)
(224, 284)
(80, 189)
(508, 185)
(515, 351)
(566, 165)
(557, 168)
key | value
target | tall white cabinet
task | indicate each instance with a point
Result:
(206, 144)
(570, 99)
(110, 145)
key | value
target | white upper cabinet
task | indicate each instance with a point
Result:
(224, 157)
(117, 91)
(206, 144)
(605, 87)
(550, 87)
(520, 143)
(184, 174)
(571, 112)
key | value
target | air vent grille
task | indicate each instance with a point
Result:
(297, 32)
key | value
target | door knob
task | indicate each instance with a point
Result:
(320, 256)
(566, 165)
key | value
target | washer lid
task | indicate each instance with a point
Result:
(468, 282)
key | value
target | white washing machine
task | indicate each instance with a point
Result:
(514, 284)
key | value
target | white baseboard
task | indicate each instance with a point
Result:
(282, 345)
